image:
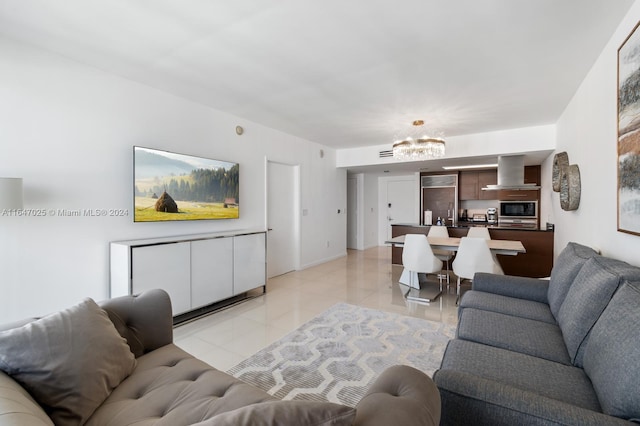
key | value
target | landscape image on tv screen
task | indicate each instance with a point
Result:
(170, 186)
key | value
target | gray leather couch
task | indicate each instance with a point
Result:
(563, 351)
(160, 384)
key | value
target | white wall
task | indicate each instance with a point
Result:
(69, 129)
(587, 131)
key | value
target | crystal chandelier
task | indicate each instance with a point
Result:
(420, 147)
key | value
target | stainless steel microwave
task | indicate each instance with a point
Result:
(518, 214)
(518, 209)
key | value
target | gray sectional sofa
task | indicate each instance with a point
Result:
(115, 364)
(562, 351)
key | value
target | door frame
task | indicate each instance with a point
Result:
(296, 206)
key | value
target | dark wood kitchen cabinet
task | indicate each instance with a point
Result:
(468, 185)
(487, 177)
(471, 182)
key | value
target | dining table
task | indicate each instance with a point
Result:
(504, 247)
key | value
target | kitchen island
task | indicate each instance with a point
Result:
(536, 262)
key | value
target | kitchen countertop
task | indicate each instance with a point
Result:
(467, 224)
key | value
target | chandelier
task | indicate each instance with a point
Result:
(418, 147)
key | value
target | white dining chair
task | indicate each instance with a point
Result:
(417, 257)
(479, 232)
(444, 255)
(482, 232)
(473, 256)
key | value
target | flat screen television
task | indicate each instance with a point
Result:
(170, 186)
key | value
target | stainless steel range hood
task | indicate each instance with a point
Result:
(511, 174)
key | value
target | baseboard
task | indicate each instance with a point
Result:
(320, 262)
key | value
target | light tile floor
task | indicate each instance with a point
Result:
(365, 278)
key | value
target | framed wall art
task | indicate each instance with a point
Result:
(629, 134)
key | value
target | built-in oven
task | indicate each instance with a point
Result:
(518, 214)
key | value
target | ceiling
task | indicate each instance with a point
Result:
(341, 73)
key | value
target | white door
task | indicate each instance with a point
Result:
(282, 214)
(401, 203)
(352, 213)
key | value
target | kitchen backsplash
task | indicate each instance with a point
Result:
(476, 206)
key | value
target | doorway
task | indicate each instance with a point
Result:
(283, 218)
(352, 213)
(398, 197)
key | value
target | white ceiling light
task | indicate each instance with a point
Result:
(418, 145)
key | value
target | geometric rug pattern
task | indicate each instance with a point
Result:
(337, 355)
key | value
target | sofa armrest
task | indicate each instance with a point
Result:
(469, 399)
(17, 407)
(508, 285)
(144, 319)
(401, 395)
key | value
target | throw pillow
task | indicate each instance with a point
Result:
(69, 361)
(612, 354)
(589, 294)
(564, 272)
(299, 413)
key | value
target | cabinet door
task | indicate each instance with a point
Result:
(487, 177)
(165, 266)
(211, 271)
(532, 174)
(249, 262)
(468, 185)
(513, 195)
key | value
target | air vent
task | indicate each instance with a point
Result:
(439, 181)
(387, 153)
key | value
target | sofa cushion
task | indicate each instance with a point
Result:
(68, 361)
(299, 413)
(589, 294)
(564, 271)
(506, 305)
(612, 354)
(169, 387)
(468, 399)
(548, 379)
(536, 338)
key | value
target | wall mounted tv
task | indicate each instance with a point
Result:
(170, 186)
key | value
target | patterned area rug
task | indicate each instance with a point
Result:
(337, 355)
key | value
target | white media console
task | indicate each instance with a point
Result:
(196, 270)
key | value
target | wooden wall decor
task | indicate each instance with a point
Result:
(560, 160)
(570, 187)
(565, 179)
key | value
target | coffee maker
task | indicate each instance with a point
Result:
(492, 215)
